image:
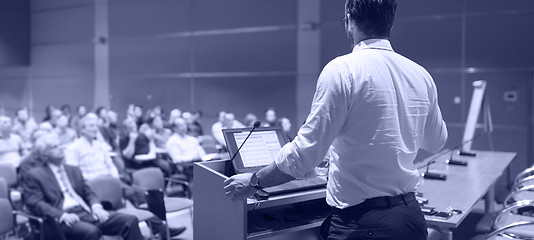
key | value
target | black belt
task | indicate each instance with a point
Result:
(384, 202)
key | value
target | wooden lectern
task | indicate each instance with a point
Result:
(218, 217)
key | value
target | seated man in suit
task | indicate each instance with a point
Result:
(59, 191)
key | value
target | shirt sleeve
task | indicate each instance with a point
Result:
(436, 134)
(174, 151)
(71, 155)
(111, 166)
(216, 131)
(328, 114)
(200, 150)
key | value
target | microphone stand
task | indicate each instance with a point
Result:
(429, 175)
(256, 125)
(451, 161)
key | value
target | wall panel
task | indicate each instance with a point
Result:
(431, 43)
(63, 60)
(263, 51)
(146, 18)
(63, 25)
(505, 49)
(211, 14)
(150, 56)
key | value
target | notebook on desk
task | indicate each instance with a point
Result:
(259, 151)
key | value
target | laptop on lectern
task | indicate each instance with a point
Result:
(259, 151)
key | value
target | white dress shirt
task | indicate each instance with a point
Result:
(69, 194)
(184, 148)
(375, 108)
(93, 158)
(10, 149)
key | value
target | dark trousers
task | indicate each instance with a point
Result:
(88, 228)
(387, 218)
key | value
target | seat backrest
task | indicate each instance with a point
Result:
(4, 190)
(208, 143)
(149, 178)
(6, 211)
(108, 189)
(8, 172)
(206, 139)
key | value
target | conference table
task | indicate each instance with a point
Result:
(464, 187)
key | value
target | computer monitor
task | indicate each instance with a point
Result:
(260, 150)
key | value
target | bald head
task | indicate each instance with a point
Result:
(228, 120)
(179, 126)
(89, 126)
(49, 149)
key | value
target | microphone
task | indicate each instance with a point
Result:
(438, 176)
(451, 161)
(257, 124)
(429, 175)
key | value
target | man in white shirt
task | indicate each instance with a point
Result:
(376, 109)
(11, 145)
(182, 147)
(216, 128)
(226, 120)
(60, 192)
(89, 154)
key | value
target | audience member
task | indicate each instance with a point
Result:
(31, 160)
(93, 159)
(70, 200)
(65, 134)
(130, 111)
(54, 116)
(286, 129)
(175, 113)
(138, 149)
(90, 155)
(158, 111)
(81, 110)
(112, 119)
(138, 114)
(24, 126)
(182, 147)
(229, 121)
(65, 110)
(270, 118)
(250, 119)
(48, 112)
(106, 132)
(11, 145)
(45, 126)
(102, 114)
(216, 128)
(159, 133)
(111, 131)
(194, 128)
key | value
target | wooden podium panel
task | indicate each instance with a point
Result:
(218, 217)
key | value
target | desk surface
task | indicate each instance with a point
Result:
(465, 185)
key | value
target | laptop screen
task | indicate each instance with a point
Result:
(258, 151)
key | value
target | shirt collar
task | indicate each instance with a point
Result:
(373, 43)
(54, 168)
